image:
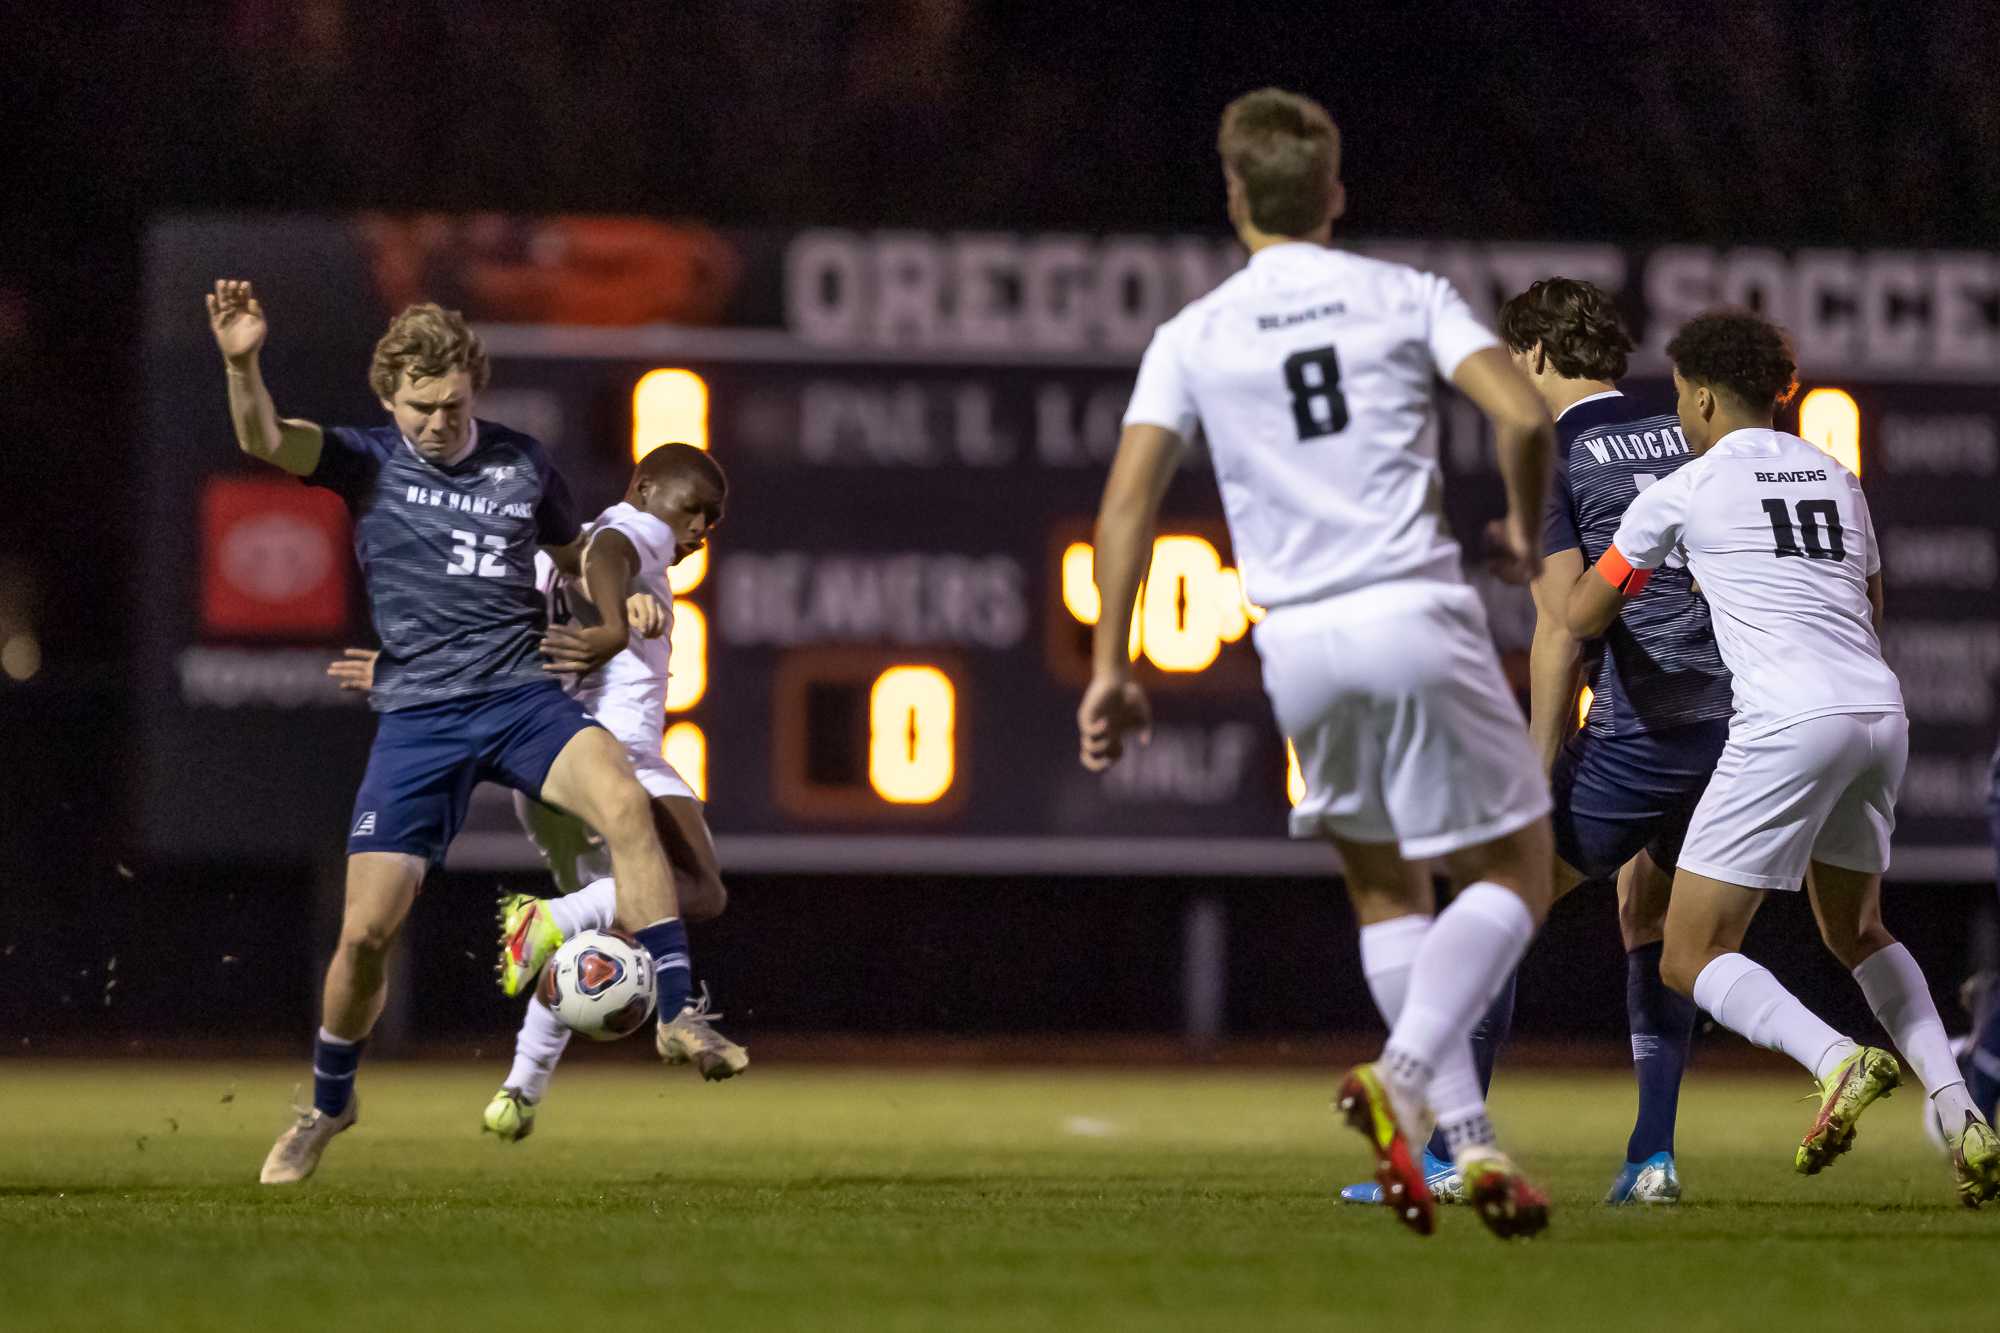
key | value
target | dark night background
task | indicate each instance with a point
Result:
(1853, 125)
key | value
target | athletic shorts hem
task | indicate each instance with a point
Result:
(1444, 844)
(430, 855)
(1742, 879)
(1839, 864)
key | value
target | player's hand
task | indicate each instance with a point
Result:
(354, 669)
(1502, 559)
(643, 612)
(1516, 541)
(236, 319)
(1113, 708)
(580, 649)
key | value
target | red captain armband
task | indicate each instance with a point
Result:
(1617, 571)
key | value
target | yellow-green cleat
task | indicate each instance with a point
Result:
(510, 1117)
(1857, 1083)
(1975, 1162)
(527, 939)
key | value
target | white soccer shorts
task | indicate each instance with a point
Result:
(573, 852)
(1821, 789)
(1404, 727)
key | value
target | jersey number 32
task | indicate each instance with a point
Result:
(1318, 407)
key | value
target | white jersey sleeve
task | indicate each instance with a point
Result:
(1160, 397)
(1654, 521)
(1311, 375)
(1455, 332)
(652, 539)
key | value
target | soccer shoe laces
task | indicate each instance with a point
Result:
(302, 1115)
(697, 1011)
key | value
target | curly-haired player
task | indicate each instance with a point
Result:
(1779, 536)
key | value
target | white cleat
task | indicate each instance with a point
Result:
(297, 1152)
(692, 1038)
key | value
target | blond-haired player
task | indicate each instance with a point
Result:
(449, 511)
(673, 502)
(1310, 373)
(1779, 538)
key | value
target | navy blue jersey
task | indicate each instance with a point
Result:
(1657, 666)
(448, 557)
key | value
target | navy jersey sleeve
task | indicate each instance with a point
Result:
(348, 461)
(1559, 515)
(555, 516)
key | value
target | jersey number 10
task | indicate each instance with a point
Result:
(1318, 406)
(1819, 521)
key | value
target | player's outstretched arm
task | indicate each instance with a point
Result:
(237, 320)
(1524, 437)
(1114, 706)
(610, 564)
(1555, 656)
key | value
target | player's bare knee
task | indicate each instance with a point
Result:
(367, 938)
(702, 897)
(1680, 967)
(1854, 943)
(627, 814)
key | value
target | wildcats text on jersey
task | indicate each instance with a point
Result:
(1636, 447)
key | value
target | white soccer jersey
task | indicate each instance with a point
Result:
(628, 694)
(1780, 542)
(1310, 373)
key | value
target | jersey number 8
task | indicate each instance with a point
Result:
(1318, 407)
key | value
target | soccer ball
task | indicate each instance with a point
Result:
(600, 983)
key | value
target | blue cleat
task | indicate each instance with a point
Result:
(1652, 1181)
(1440, 1175)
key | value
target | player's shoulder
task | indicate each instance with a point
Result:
(495, 435)
(653, 538)
(374, 441)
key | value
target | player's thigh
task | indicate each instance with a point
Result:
(1616, 795)
(525, 734)
(1857, 830)
(1381, 884)
(1756, 823)
(683, 828)
(574, 854)
(417, 786)
(1705, 917)
(1326, 708)
(381, 886)
(1458, 771)
(592, 778)
(1847, 904)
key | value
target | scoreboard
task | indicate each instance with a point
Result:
(877, 661)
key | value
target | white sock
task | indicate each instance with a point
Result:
(1901, 999)
(1458, 1104)
(1467, 954)
(1745, 998)
(537, 1047)
(589, 908)
(1388, 948)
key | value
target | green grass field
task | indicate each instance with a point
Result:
(851, 1199)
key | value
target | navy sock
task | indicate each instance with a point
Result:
(1488, 1036)
(667, 941)
(1983, 1078)
(334, 1063)
(1662, 1021)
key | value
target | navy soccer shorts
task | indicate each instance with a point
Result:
(426, 761)
(1617, 794)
